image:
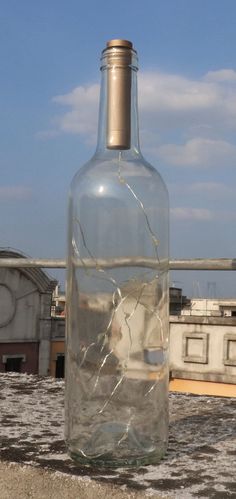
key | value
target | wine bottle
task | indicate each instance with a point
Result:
(117, 287)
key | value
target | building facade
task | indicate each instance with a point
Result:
(203, 341)
(25, 318)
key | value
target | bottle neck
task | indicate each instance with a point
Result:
(118, 113)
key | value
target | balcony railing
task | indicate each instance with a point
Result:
(176, 264)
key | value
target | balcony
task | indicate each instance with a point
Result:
(202, 347)
(33, 459)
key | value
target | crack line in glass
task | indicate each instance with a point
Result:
(155, 240)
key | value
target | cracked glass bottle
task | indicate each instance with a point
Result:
(117, 287)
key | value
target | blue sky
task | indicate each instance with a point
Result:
(49, 87)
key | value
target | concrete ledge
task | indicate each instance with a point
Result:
(206, 376)
(32, 483)
(200, 319)
(34, 463)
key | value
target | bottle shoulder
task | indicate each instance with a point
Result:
(119, 168)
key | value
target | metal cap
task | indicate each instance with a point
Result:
(118, 57)
(119, 43)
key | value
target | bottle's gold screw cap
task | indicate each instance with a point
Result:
(119, 43)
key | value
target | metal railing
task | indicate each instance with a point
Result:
(176, 264)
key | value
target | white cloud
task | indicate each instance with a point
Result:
(221, 75)
(197, 214)
(82, 115)
(198, 152)
(186, 213)
(200, 111)
(169, 101)
(15, 193)
(166, 92)
(165, 101)
(203, 110)
(207, 190)
(212, 189)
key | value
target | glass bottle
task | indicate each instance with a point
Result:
(117, 287)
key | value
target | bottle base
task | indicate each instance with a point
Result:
(109, 462)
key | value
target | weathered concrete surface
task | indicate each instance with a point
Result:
(200, 462)
(31, 483)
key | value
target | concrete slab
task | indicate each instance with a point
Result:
(32, 483)
(200, 462)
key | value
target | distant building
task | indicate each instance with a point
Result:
(25, 318)
(32, 328)
(202, 336)
(210, 307)
(58, 302)
(203, 341)
(177, 301)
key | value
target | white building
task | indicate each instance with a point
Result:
(210, 307)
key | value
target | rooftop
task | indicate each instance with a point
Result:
(34, 462)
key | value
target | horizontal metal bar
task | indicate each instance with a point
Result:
(50, 263)
(183, 264)
(204, 264)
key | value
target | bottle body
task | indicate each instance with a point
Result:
(117, 325)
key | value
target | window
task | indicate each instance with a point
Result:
(13, 364)
(60, 366)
